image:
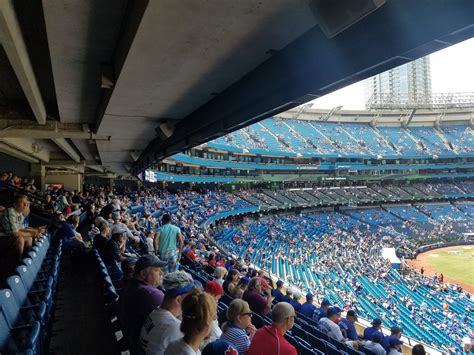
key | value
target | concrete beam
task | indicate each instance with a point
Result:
(97, 167)
(67, 148)
(28, 146)
(14, 45)
(50, 130)
(5, 148)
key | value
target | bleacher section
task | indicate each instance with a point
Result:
(28, 304)
(362, 139)
(338, 257)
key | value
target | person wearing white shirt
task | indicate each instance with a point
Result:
(374, 344)
(198, 310)
(162, 326)
(329, 325)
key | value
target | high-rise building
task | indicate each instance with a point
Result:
(408, 85)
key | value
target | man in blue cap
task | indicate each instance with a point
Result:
(395, 333)
(347, 326)
(307, 308)
(277, 292)
(395, 347)
(321, 312)
(374, 345)
(329, 325)
(376, 326)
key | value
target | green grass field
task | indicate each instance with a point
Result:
(458, 267)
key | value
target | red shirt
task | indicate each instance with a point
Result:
(269, 340)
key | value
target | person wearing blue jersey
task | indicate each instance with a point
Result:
(278, 291)
(295, 302)
(307, 308)
(321, 312)
(395, 333)
(347, 326)
(376, 327)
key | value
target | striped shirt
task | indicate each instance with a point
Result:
(238, 338)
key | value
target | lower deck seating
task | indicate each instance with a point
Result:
(27, 305)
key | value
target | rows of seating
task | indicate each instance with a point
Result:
(28, 304)
(351, 138)
(305, 335)
(268, 199)
(339, 256)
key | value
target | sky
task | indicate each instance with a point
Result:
(452, 70)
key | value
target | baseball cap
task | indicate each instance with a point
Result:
(279, 283)
(395, 329)
(325, 302)
(118, 229)
(377, 337)
(377, 321)
(177, 283)
(395, 341)
(245, 280)
(149, 260)
(116, 216)
(219, 347)
(309, 296)
(333, 310)
(296, 293)
(214, 288)
(351, 313)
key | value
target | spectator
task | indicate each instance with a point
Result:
(198, 312)
(239, 330)
(307, 308)
(15, 238)
(395, 333)
(114, 251)
(219, 347)
(395, 347)
(376, 326)
(72, 240)
(162, 326)
(101, 239)
(418, 349)
(216, 291)
(329, 325)
(169, 243)
(231, 281)
(219, 275)
(241, 287)
(347, 325)
(295, 302)
(278, 291)
(256, 301)
(321, 312)
(374, 345)
(263, 280)
(140, 297)
(270, 339)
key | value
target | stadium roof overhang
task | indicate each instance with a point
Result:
(97, 79)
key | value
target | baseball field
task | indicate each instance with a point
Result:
(456, 264)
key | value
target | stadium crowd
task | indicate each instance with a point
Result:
(331, 258)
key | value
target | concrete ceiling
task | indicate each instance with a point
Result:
(108, 72)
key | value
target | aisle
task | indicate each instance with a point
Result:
(80, 325)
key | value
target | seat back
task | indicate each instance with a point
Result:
(5, 339)
(18, 290)
(9, 308)
(26, 276)
(34, 258)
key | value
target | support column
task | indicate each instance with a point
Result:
(38, 172)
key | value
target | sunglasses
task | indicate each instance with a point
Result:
(247, 314)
